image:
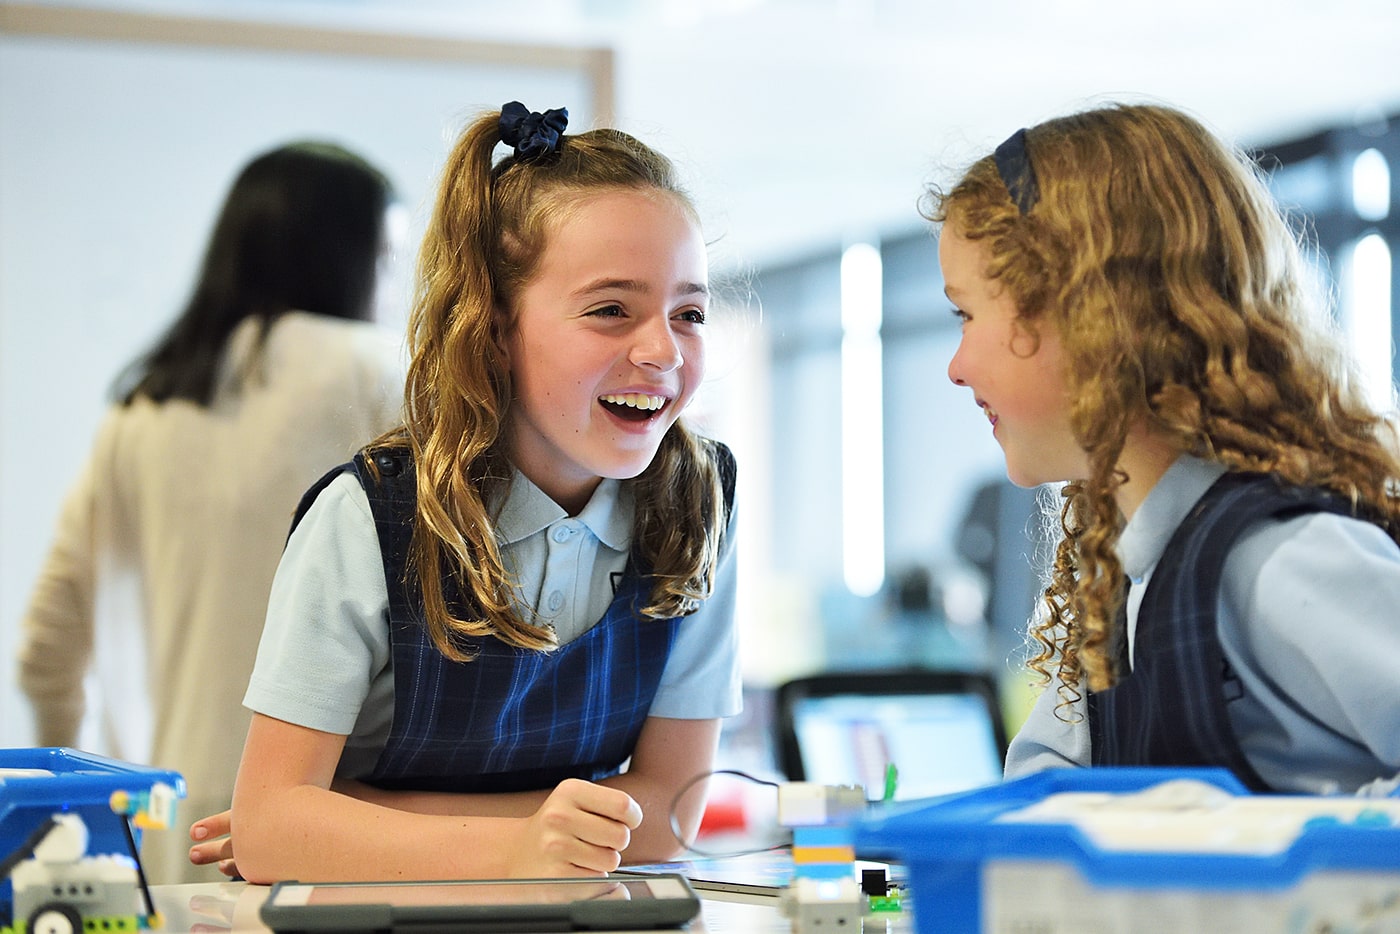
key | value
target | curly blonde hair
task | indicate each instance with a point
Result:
(490, 224)
(1174, 282)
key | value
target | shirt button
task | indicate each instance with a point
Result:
(561, 534)
(556, 600)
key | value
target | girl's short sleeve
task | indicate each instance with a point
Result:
(1052, 736)
(1309, 625)
(326, 635)
(702, 679)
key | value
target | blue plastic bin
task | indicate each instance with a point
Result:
(35, 783)
(951, 844)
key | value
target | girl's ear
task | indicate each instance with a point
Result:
(500, 333)
(1025, 337)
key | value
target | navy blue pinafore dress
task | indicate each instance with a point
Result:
(510, 719)
(1171, 709)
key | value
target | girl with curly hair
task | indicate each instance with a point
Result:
(1225, 584)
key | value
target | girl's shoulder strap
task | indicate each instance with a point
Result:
(386, 472)
(1195, 554)
(314, 491)
(728, 473)
(381, 467)
(1240, 498)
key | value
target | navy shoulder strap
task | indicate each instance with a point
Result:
(390, 476)
(315, 490)
(1171, 708)
(728, 473)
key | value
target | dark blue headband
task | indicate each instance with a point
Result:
(533, 135)
(1014, 167)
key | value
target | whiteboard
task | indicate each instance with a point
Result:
(119, 136)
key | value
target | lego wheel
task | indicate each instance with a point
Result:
(55, 918)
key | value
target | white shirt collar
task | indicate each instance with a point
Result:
(528, 510)
(1145, 536)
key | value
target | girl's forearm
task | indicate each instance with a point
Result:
(496, 804)
(314, 833)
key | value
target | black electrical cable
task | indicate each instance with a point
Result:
(690, 844)
(140, 870)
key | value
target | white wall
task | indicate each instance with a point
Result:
(114, 157)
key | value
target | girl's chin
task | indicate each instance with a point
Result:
(626, 468)
(1024, 475)
(1026, 479)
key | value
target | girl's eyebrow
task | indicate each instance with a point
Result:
(636, 285)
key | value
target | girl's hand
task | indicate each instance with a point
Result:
(581, 829)
(213, 838)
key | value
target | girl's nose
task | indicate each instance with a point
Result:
(955, 368)
(656, 346)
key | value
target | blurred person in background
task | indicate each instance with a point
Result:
(142, 627)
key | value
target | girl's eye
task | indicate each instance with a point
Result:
(693, 315)
(607, 311)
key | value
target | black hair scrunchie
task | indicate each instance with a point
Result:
(532, 134)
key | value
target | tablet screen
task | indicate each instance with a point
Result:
(532, 891)
(489, 905)
(940, 743)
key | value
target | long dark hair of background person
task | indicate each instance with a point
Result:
(301, 229)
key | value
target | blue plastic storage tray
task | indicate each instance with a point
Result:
(975, 864)
(35, 783)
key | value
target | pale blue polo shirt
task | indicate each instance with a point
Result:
(1309, 619)
(324, 660)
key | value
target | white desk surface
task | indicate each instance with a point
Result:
(233, 906)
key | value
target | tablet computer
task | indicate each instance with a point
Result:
(610, 903)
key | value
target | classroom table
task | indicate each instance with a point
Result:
(233, 906)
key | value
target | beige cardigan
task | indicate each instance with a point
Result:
(144, 622)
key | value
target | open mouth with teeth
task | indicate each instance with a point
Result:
(633, 406)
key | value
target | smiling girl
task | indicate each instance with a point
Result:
(530, 584)
(1134, 325)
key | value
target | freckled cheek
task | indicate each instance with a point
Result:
(1052, 401)
(1042, 409)
(694, 360)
